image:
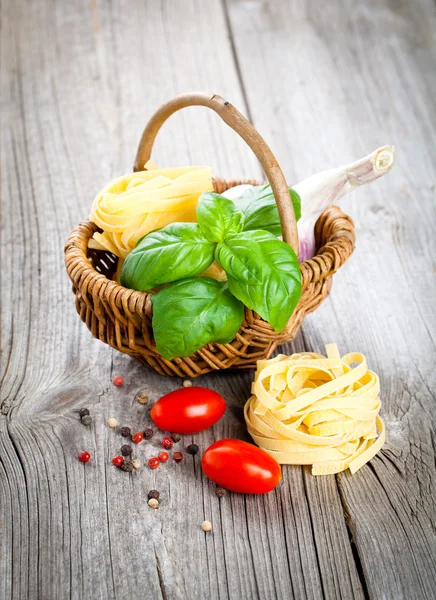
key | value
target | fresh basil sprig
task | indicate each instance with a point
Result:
(193, 312)
(260, 211)
(263, 272)
(168, 254)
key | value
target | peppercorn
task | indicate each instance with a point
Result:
(167, 443)
(153, 494)
(187, 383)
(84, 456)
(148, 433)
(206, 526)
(137, 437)
(87, 420)
(142, 398)
(126, 450)
(193, 449)
(178, 457)
(118, 380)
(125, 431)
(153, 503)
(127, 466)
(220, 492)
(136, 463)
(153, 463)
(112, 423)
(117, 461)
(176, 437)
(83, 412)
(163, 456)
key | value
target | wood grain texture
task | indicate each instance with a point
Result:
(78, 82)
(369, 57)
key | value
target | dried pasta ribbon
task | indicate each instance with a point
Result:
(131, 206)
(308, 409)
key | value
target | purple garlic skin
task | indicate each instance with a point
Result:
(320, 191)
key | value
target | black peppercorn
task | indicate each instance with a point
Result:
(127, 466)
(83, 412)
(176, 437)
(126, 450)
(148, 433)
(220, 492)
(153, 494)
(86, 420)
(193, 449)
(125, 431)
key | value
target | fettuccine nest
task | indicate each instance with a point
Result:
(308, 409)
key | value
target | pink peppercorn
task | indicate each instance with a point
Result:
(137, 437)
(178, 456)
(163, 456)
(167, 443)
(153, 463)
(84, 456)
(117, 461)
(118, 380)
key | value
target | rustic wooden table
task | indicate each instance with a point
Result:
(324, 83)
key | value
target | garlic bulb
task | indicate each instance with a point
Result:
(326, 188)
(320, 191)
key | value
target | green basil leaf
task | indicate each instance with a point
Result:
(218, 217)
(193, 312)
(263, 272)
(260, 210)
(173, 252)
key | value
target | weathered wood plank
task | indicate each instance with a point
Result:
(344, 86)
(77, 84)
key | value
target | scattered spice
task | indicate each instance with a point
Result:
(136, 464)
(178, 457)
(137, 437)
(84, 456)
(193, 449)
(176, 437)
(83, 412)
(112, 423)
(153, 494)
(117, 461)
(125, 431)
(206, 526)
(148, 433)
(187, 383)
(118, 380)
(126, 450)
(163, 457)
(220, 492)
(127, 466)
(167, 443)
(87, 420)
(153, 503)
(153, 462)
(142, 398)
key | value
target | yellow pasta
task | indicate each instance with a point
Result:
(131, 206)
(308, 409)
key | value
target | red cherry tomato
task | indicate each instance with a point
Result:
(188, 410)
(241, 467)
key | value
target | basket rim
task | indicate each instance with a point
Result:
(325, 263)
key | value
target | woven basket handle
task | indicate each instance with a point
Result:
(248, 133)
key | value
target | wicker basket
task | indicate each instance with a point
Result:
(122, 317)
